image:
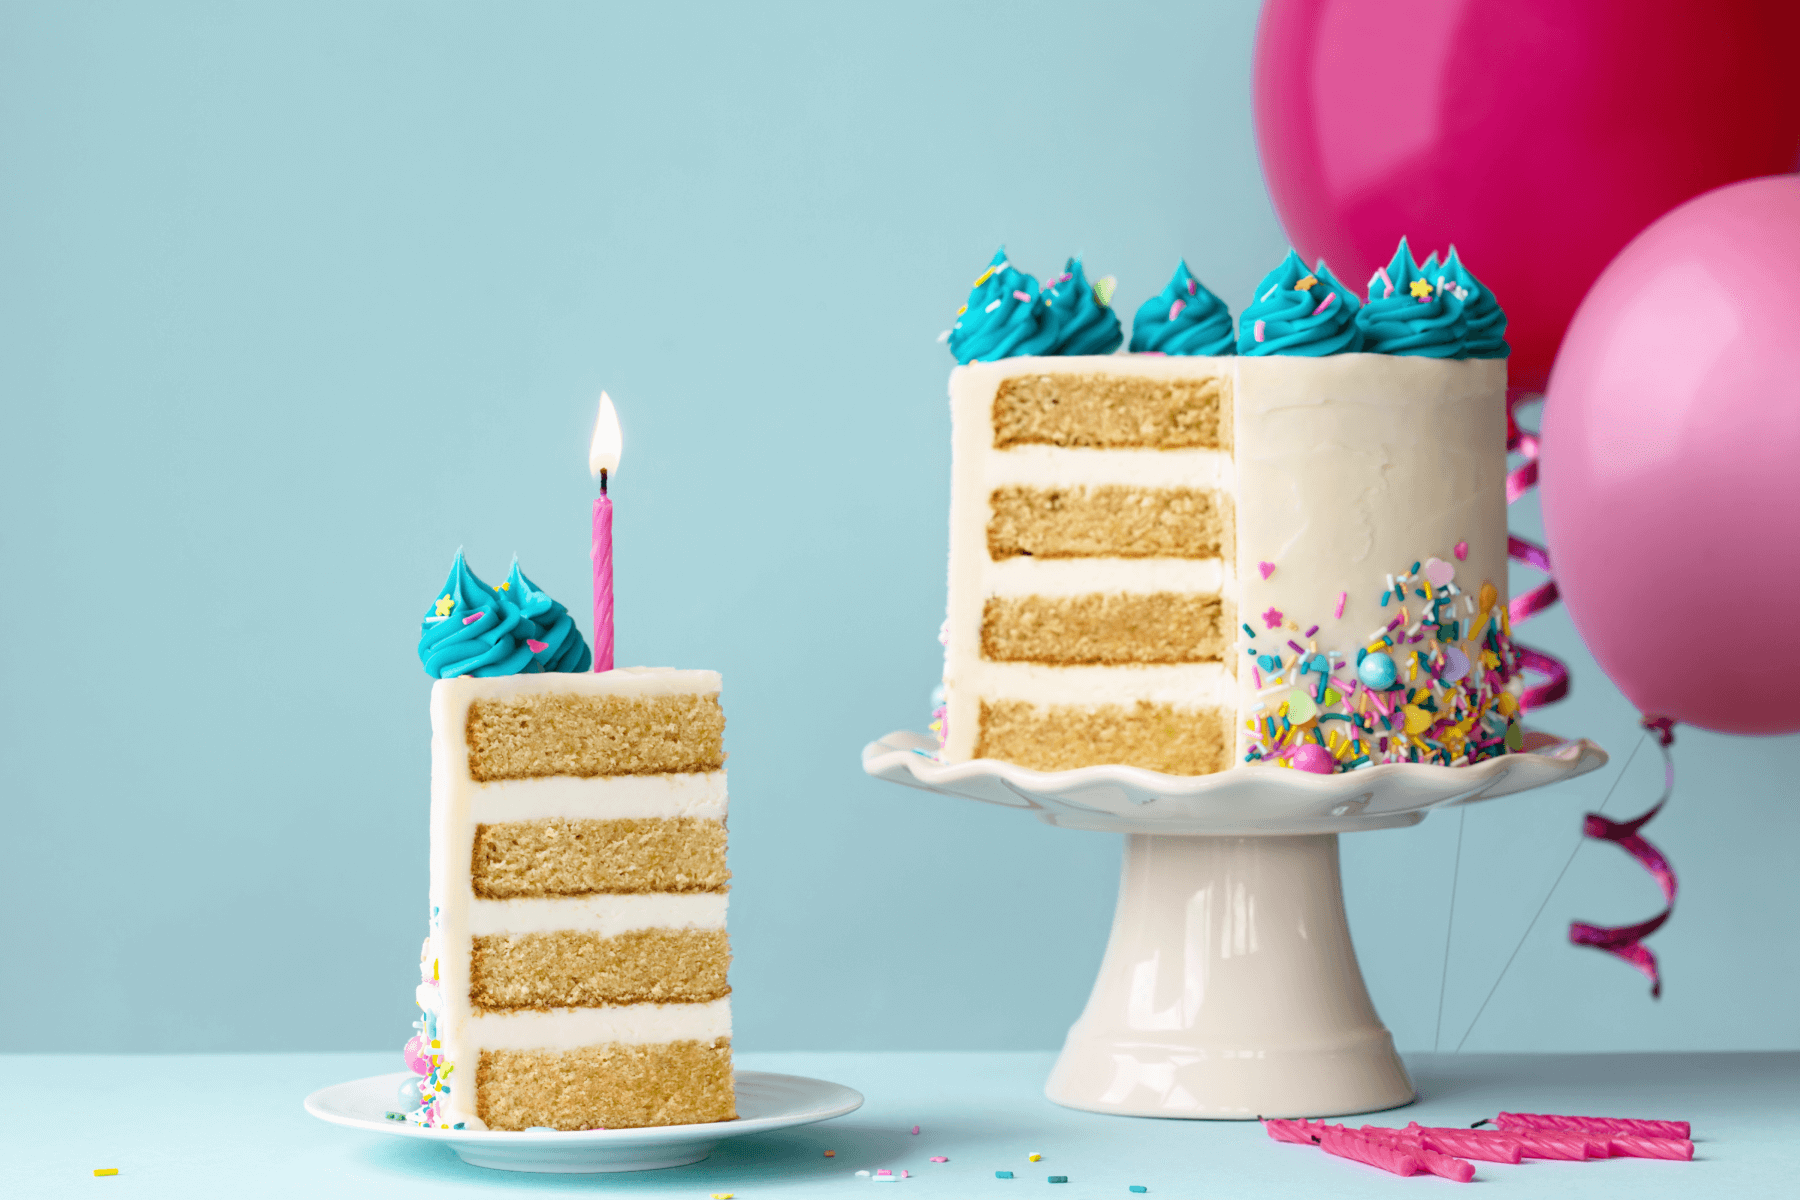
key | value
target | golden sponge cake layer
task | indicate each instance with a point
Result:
(606, 1086)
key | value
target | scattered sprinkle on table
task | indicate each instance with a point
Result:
(861, 1173)
(106, 1170)
(1034, 1158)
(939, 1158)
(1059, 1179)
(915, 1130)
(1002, 1174)
(831, 1154)
(723, 1195)
(1138, 1187)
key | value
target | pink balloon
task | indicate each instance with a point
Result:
(1671, 462)
(1537, 135)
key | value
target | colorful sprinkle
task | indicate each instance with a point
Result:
(1259, 331)
(1337, 613)
(1267, 569)
(1003, 1175)
(106, 1170)
(1034, 1158)
(831, 1154)
(1059, 1179)
(444, 605)
(1461, 550)
(536, 646)
(1175, 309)
(939, 1158)
(915, 1130)
(473, 619)
(1437, 683)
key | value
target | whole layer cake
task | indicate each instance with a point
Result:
(1288, 546)
(575, 974)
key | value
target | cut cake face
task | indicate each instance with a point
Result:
(578, 953)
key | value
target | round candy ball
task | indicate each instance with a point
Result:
(1377, 670)
(1314, 758)
(408, 1094)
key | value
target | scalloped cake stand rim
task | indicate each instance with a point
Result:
(1243, 801)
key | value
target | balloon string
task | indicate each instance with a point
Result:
(1626, 941)
(1524, 443)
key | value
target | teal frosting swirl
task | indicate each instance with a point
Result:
(547, 624)
(1407, 313)
(1085, 321)
(1004, 318)
(1184, 318)
(1485, 321)
(1293, 316)
(479, 635)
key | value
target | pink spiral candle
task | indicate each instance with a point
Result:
(602, 554)
(1599, 1125)
(603, 458)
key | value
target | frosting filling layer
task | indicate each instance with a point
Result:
(699, 794)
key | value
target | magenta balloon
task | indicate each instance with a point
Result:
(1537, 135)
(1671, 463)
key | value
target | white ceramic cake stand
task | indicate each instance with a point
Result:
(765, 1101)
(1230, 988)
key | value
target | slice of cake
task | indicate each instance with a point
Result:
(579, 885)
(575, 973)
(1295, 553)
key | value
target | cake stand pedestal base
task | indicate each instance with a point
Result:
(1230, 990)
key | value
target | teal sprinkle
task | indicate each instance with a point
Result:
(1002, 1174)
(1138, 1187)
(1249, 630)
(1059, 1179)
(1384, 599)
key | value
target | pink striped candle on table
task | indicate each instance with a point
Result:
(603, 460)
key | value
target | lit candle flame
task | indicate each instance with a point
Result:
(603, 453)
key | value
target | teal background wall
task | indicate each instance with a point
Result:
(297, 299)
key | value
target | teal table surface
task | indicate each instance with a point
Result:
(232, 1125)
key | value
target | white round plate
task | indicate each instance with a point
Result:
(1240, 802)
(764, 1101)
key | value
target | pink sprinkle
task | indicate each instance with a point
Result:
(1337, 613)
(1325, 303)
(473, 619)
(1461, 550)
(939, 1158)
(905, 1174)
(1381, 274)
(537, 647)
(1267, 569)
(1272, 618)
(1022, 297)
(1259, 331)
(1256, 675)
(884, 1171)
(1193, 288)
(915, 1129)
(1175, 309)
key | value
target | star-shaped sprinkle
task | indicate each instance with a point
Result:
(1421, 289)
(504, 585)
(1272, 618)
(444, 605)
(1307, 284)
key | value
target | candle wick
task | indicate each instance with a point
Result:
(603, 481)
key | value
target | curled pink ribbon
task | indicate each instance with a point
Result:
(1626, 941)
(1524, 442)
